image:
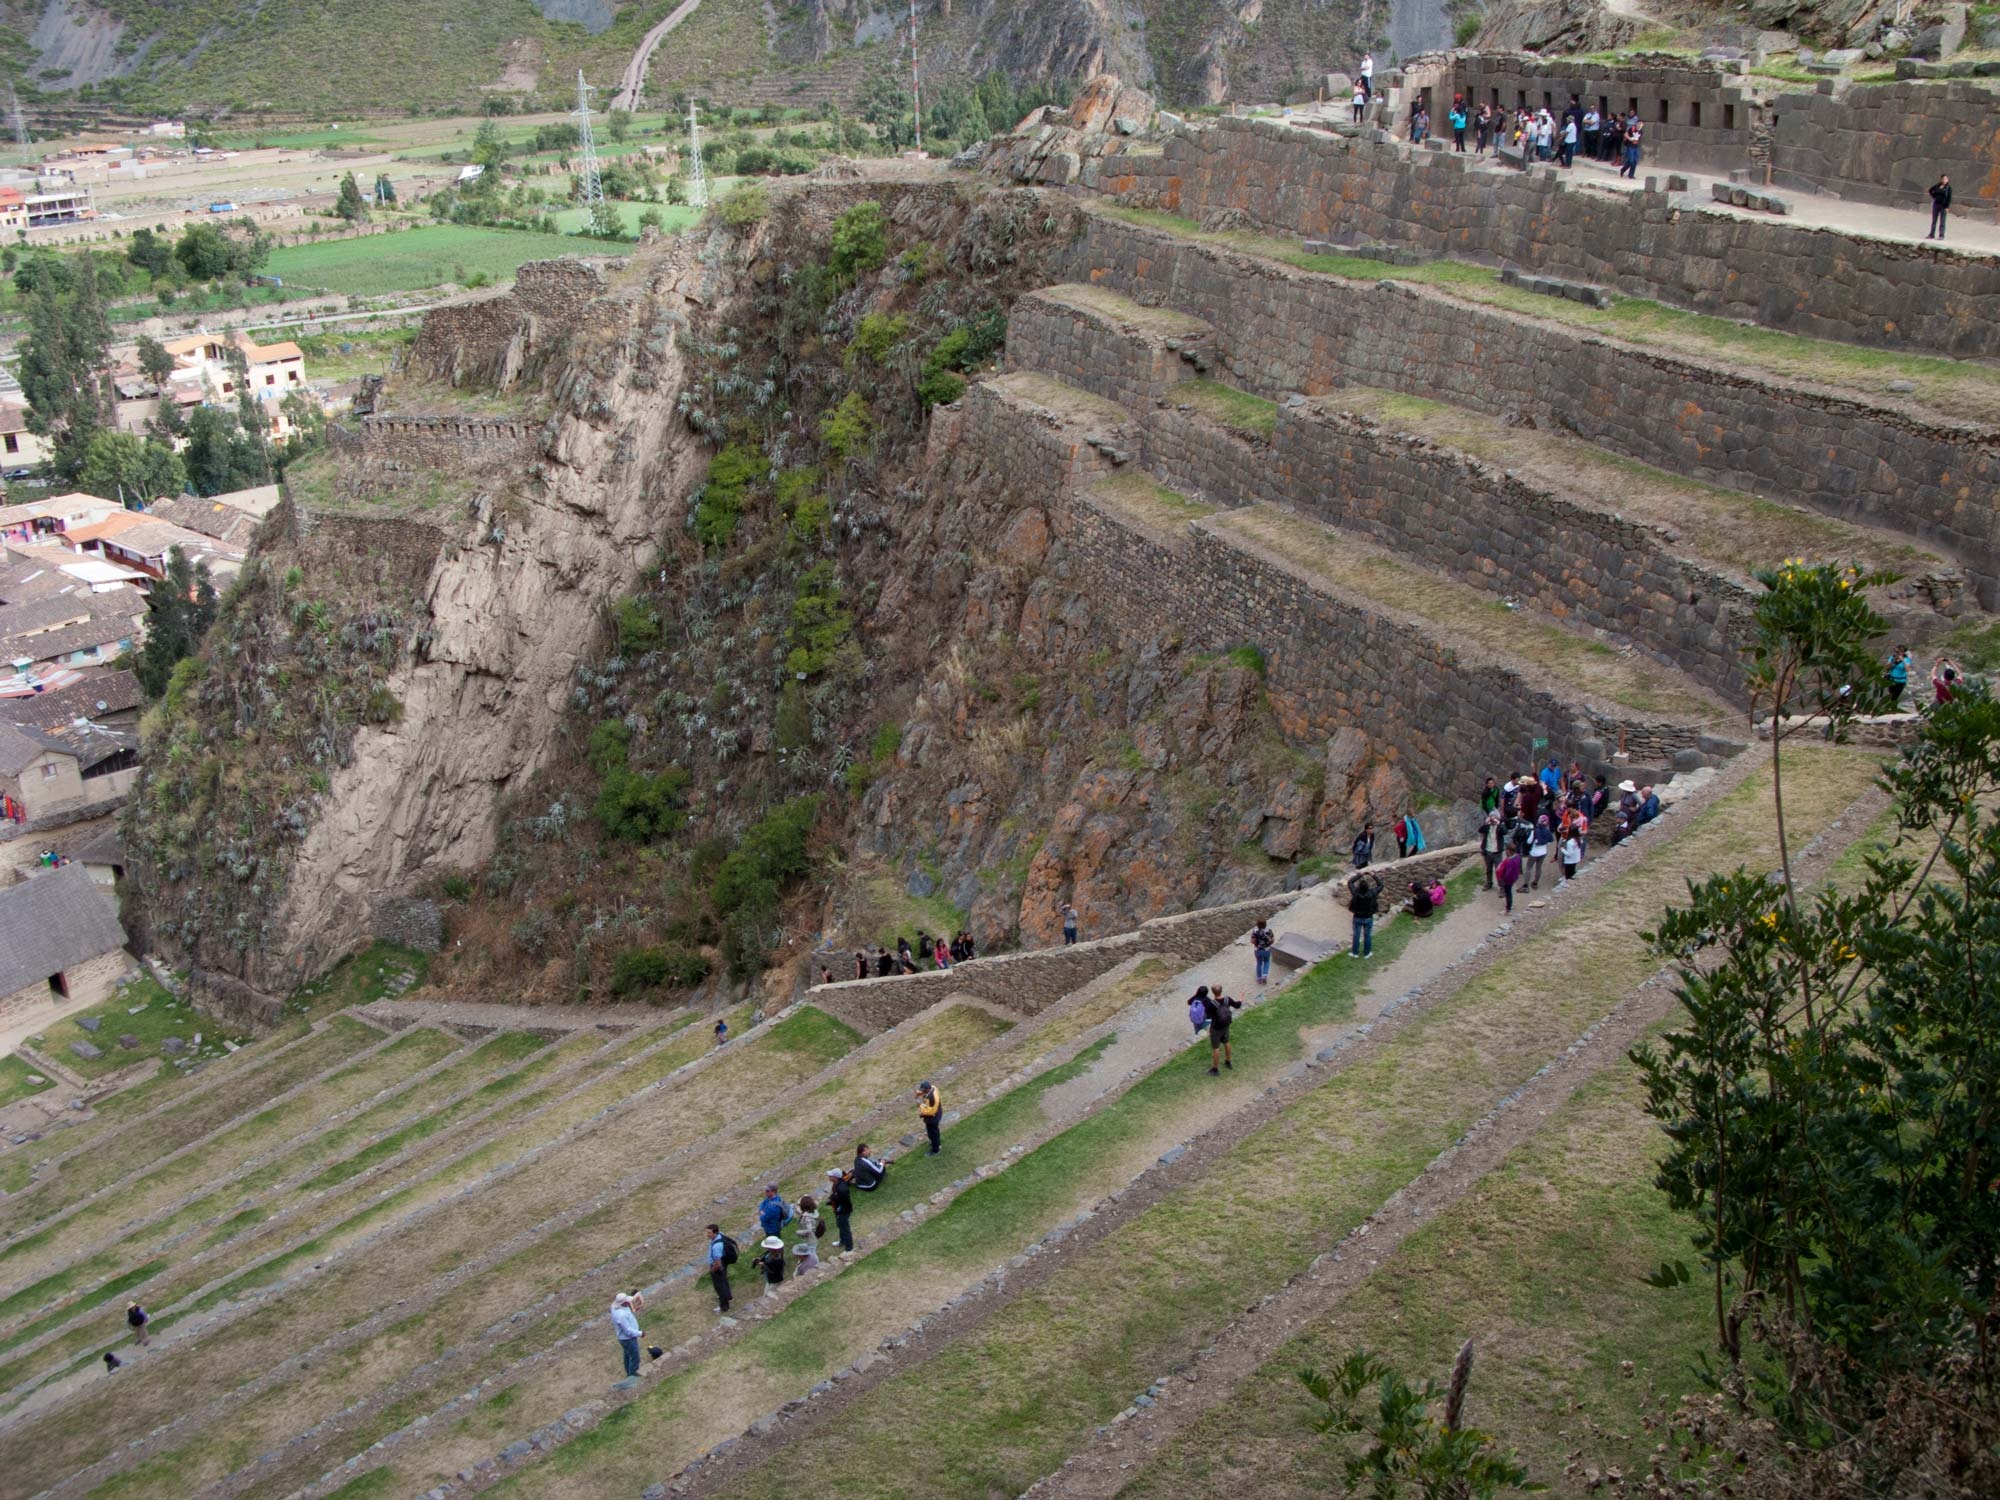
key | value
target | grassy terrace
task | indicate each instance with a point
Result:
(411, 260)
(1242, 413)
(223, 1153)
(1160, 322)
(144, 1011)
(498, 1055)
(622, 1145)
(1059, 398)
(111, 1155)
(1725, 527)
(1008, 1401)
(551, 1263)
(1149, 502)
(1949, 387)
(250, 1248)
(1462, 613)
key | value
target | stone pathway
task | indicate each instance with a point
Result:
(399, 1015)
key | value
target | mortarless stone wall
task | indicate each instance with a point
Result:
(1353, 186)
(1887, 143)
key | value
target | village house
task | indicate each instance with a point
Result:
(46, 776)
(61, 947)
(203, 374)
(74, 629)
(138, 539)
(110, 698)
(50, 519)
(19, 448)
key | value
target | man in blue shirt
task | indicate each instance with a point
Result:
(625, 1324)
(773, 1212)
(1552, 776)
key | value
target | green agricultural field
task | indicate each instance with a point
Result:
(329, 135)
(416, 259)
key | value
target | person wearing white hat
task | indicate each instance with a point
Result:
(772, 1262)
(840, 1199)
(625, 1324)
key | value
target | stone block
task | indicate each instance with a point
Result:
(128, 1041)
(90, 1023)
(85, 1051)
(173, 1046)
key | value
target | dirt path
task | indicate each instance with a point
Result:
(1106, 1465)
(633, 84)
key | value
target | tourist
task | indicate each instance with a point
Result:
(1940, 206)
(1261, 942)
(940, 955)
(1649, 806)
(1068, 924)
(904, 962)
(870, 1171)
(860, 964)
(1367, 76)
(1220, 1013)
(805, 1238)
(1364, 896)
(1600, 799)
(1364, 846)
(841, 1201)
(1944, 679)
(136, 1318)
(1569, 137)
(1482, 129)
(885, 963)
(1413, 835)
(1571, 851)
(721, 1030)
(1551, 778)
(1635, 134)
(1458, 119)
(1360, 102)
(1530, 796)
(1899, 677)
(773, 1212)
(1420, 904)
(1545, 135)
(721, 1252)
(1593, 130)
(930, 1105)
(1420, 124)
(1198, 1011)
(625, 1325)
(1489, 797)
(112, 1362)
(1401, 829)
(1510, 875)
(1490, 845)
(771, 1264)
(971, 950)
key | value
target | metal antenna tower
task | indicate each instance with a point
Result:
(593, 183)
(916, 92)
(697, 174)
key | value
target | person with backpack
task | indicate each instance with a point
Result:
(136, 1318)
(840, 1198)
(721, 1256)
(771, 1264)
(625, 1325)
(1364, 896)
(1220, 1013)
(1261, 943)
(1364, 846)
(1198, 1011)
(930, 1107)
(721, 1031)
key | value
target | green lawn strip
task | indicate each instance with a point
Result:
(552, 1261)
(833, 1324)
(1011, 1399)
(1239, 411)
(360, 979)
(16, 1083)
(144, 1011)
(410, 1053)
(169, 1130)
(500, 1051)
(336, 1216)
(1961, 388)
(75, 1435)
(415, 259)
(1541, 1267)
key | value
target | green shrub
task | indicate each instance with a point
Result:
(750, 883)
(1467, 28)
(455, 887)
(609, 744)
(1251, 658)
(967, 347)
(848, 428)
(860, 241)
(638, 625)
(940, 388)
(822, 633)
(754, 161)
(659, 967)
(875, 335)
(638, 807)
(730, 477)
(743, 205)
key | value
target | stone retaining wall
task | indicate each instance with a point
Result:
(486, 340)
(1283, 330)
(235, 1003)
(1093, 351)
(1346, 185)
(411, 444)
(1204, 460)
(1887, 143)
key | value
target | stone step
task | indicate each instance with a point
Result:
(1106, 343)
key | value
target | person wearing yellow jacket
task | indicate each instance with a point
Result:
(930, 1108)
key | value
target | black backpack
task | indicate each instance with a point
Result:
(728, 1251)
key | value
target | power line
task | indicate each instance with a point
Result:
(697, 192)
(593, 181)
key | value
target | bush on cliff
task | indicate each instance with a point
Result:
(860, 241)
(634, 805)
(772, 853)
(637, 970)
(735, 469)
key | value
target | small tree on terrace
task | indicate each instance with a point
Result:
(351, 206)
(1831, 1095)
(154, 361)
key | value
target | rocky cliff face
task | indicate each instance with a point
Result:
(586, 699)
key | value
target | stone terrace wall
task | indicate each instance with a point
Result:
(1347, 187)
(1887, 143)
(480, 339)
(414, 443)
(1188, 452)
(1283, 330)
(1092, 351)
(1695, 116)
(1028, 983)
